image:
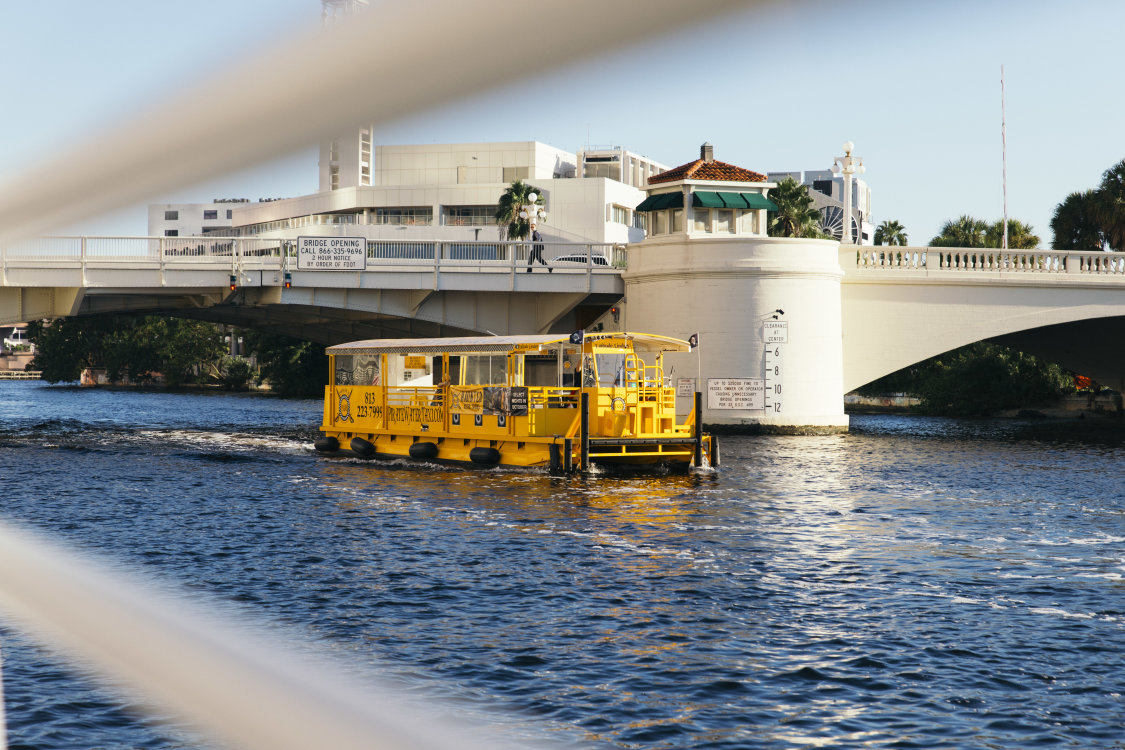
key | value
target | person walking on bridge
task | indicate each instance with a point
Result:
(537, 250)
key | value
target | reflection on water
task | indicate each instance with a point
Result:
(916, 583)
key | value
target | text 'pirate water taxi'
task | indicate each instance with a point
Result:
(563, 402)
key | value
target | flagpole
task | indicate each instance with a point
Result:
(1004, 158)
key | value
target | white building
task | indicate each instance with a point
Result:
(447, 192)
(192, 219)
(827, 191)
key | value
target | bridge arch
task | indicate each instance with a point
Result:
(1064, 306)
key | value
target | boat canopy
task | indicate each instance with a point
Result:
(473, 344)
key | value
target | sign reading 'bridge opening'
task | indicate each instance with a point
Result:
(331, 253)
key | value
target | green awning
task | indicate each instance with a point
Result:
(734, 200)
(742, 201)
(757, 200)
(707, 199)
(660, 201)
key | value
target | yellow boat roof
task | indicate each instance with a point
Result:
(488, 344)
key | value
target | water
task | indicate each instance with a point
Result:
(919, 583)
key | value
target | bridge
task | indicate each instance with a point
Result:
(407, 288)
(899, 305)
(903, 305)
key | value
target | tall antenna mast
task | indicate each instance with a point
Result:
(1004, 158)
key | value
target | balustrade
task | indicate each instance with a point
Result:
(990, 260)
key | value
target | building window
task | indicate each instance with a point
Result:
(511, 174)
(171, 216)
(702, 219)
(421, 216)
(661, 222)
(334, 176)
(229, 213)
(171, 232)
(210, 215)
(677, 220)
(470, 216)
(619, 215)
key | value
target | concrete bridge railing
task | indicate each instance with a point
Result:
(44, 254)
(982, 259)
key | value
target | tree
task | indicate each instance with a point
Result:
(976, 380)
(1020, 236)
(511, 203)
(294, 368)
(890, 233)
(796, 216)
(966, 231)
(66, 346)
(127, 346)
(1075, 223)
(1109, 206)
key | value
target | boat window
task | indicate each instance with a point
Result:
(357, 369)
(611, 368)
(541, 370)
(484, 369)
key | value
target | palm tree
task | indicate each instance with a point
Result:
(1020, 236)
(1109, 207)
(1075, 224)
(795, 216)
(511, 203)
(966, 231)
(890, 233)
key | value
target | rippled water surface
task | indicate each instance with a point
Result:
(918, 583)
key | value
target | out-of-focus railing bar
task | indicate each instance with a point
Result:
(236, 685)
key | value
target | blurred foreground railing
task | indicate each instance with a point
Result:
(238, 686)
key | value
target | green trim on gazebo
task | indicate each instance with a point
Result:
(706, 199)
(743, 201)
(660, 201)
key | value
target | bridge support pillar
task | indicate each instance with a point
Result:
(767, 311)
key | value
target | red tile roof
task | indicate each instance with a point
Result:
(719, 171)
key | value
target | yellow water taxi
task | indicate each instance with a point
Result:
(562, 402)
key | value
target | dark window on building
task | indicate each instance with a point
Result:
(229, 212)
(823, 186)
(172, 232)
(212, 214)
(171, 216)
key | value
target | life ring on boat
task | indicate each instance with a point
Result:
(487, 456)
(613, 404)
(362, 448)
(326, 444)
(423, 451)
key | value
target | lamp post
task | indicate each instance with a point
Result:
(848, 165)
(531, 211)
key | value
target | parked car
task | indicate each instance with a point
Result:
(597, 259)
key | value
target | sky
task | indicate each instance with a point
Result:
(777, 87)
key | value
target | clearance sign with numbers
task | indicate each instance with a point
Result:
(736, 393)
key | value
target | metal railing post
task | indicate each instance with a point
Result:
(3, 729)
(698, 429)
(584, 405)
